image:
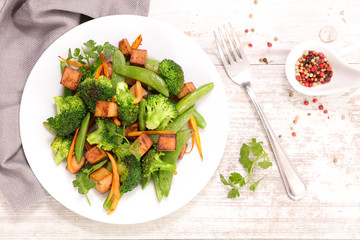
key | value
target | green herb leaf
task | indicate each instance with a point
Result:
(245, 150)
(254, 185)
(233, 193)
(245, 161)
(235, 177)
(265, 164)
(223, 180)
(256, 148)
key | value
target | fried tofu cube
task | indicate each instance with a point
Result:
(182, 153)
(95, 155)
(144, 142)
(167, 142)
(71, 78)
(130, 81)
(110, 68)
(138, 57)
(188, 88)
(76, 165)
(106, 109)
(143, 91)
(103, 179)
(125, 48)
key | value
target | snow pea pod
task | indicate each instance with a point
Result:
(145, 76)
(171, 157)
(180, 121)
(190, 99)
(141, 120)
(200, 121)
(118, 60)
(156, 180)
(152, 64)
(80, 140)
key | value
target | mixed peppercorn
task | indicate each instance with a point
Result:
(313, 69)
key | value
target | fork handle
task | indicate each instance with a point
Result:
(294, 185)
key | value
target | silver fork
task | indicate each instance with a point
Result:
(238, 69)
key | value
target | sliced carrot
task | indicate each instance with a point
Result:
(115, 119)
(137, 42)
(115, 186)
(99, 70)
(138, 133)
(76, 64)
(192, 143)
(70, 154)
(104, 64)
(193, 125)
(138, 92)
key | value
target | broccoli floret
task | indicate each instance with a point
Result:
(86, 73)
(159, 112)
(70, 112)
(130, 173)
(128, 112)
(172, 74)
(92, 90)
(107, 136)
(61, 147)
(152, 162)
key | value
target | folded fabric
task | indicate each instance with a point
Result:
(27, 28)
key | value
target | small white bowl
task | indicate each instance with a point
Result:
(344, 76)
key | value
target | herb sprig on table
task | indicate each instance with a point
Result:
(236, 181)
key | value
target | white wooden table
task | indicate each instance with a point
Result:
(331, 208)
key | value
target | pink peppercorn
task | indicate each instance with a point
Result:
(306, 102)
(315, 100)
(321, 107)
(250, 45)
(269, 44)
(246, 30)
(325, 111)
(293, 134)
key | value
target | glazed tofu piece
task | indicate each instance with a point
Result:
(167, 142)
(125, 48)
(188, 88)
(77, 165)
(106, 109)
(138, 57)
(143, 91)
(145, 143)
(71, 78)
(130, 81)
(95, 155)
(103, 178)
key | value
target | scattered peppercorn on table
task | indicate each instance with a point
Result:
(320, 134)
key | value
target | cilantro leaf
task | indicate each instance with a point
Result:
(235, 177)
(265, 164)
(223, 180)
(254, 185)
(245, 150)
(245, 161)
(233, 193)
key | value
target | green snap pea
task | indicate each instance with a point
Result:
(66, 91)
(156, 180)
(152, 64)
(95, 65)
(80, 140)
(142, 115)
(190, 99)
(171, 157)
(118, 60)
(200, 121)
(180, 121)
(145, 76)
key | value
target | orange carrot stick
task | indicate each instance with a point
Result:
(137, 42)
(70, 154)
(76, 64)
(138, 133)
(115, 187)
(192, 143)
(115, 119)
(98, 72)
(193, 125)
(104, 64)
(138, 93)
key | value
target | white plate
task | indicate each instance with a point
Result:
(161, 41)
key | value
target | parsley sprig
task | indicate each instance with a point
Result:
(236, 180)
(90, 51)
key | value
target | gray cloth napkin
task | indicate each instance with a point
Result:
(27, 28)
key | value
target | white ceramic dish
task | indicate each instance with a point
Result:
(344, 75)
(161, 41)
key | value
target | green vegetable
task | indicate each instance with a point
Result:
(200, 121)
(190, 99)
(66, 91)
(152, 162)
(172, 74)
(236, 180)
(142, 115)
(81, 137)
(70, 112)
(171, 157)
(156, 180)
(61, 147)
(159, 112)
(145, 76)
(107, 136)
(128, 112)
(86, 73)
(83, 181)
(152, 64)
(180, 121)
(92, 90)
(118, 60)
